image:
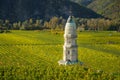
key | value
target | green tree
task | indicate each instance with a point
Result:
(38, 24)
(25, 25)
(30, 24)
(1, 26)
(1, 23)
(15, 26)
(7, 24)
(54, 23)
(46, 25)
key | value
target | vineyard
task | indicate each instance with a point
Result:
(34, 55)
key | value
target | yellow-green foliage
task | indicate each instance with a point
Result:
(33, 55)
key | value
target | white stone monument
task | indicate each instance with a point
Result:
(70, 48)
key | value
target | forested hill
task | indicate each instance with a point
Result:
(15, 10)
(108, 8)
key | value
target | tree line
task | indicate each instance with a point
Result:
(58, 23)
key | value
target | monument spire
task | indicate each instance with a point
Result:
(70, 48)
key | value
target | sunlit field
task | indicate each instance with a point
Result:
(34, 55)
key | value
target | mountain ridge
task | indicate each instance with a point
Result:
(16, 10)
(107, 8)
(82, 2)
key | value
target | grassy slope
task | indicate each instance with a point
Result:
(98, 51)
(108, 8)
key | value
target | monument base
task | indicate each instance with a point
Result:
(62, 62)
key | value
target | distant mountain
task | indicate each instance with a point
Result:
(16, 10)
(108, 8)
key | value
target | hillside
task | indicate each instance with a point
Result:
(23, 9)
(108, 8)
(83, 2)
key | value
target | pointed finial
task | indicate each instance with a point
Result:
(70, 12)
(70, 20)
